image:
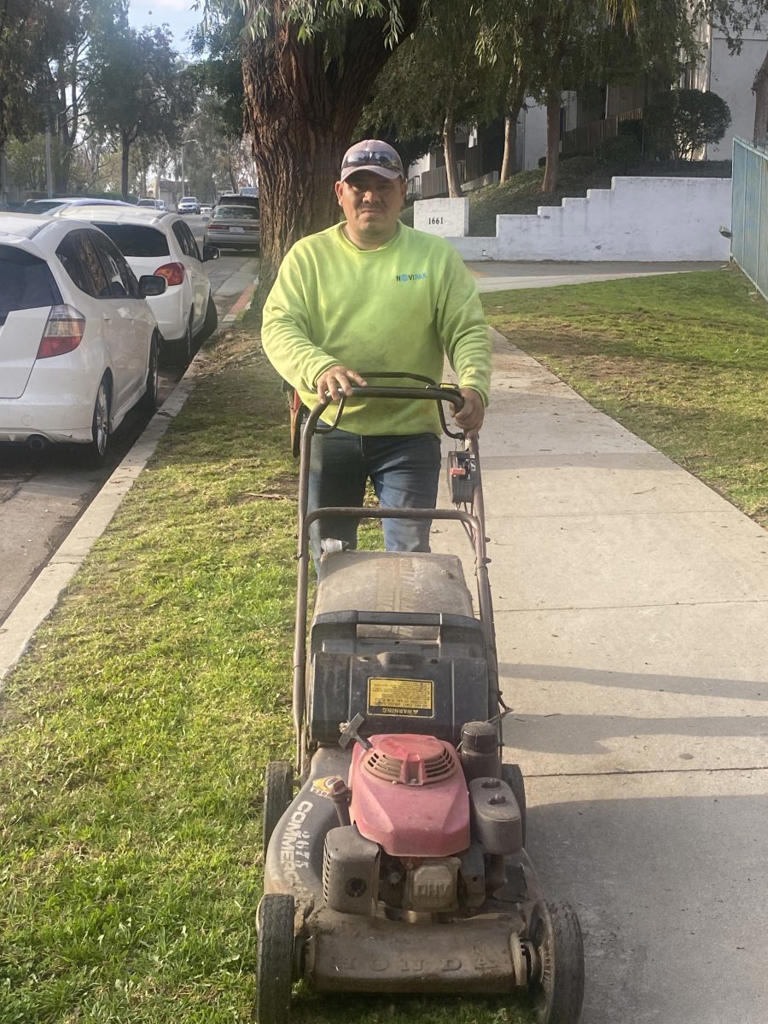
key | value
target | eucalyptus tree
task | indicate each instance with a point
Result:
(308, 68)
(219, 113)
(140, 91)
(69, 71)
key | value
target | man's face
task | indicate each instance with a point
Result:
(371, 206)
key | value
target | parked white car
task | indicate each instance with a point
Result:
(78, 342)
(48, 205)
(156, 242)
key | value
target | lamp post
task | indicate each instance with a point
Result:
(183, 180)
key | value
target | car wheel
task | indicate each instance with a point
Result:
(97, 448)
(149, 399)
(211, 321)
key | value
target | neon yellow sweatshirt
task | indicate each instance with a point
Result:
(400, 307)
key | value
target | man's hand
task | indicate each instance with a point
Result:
(338, 379)
(470, 417)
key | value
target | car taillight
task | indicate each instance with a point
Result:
(172, 272)
(63, 332)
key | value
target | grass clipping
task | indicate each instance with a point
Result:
(135, 731)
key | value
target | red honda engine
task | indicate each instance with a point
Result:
(409, 795)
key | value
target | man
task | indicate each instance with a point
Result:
(367, 296)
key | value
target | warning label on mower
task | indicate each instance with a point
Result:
(413, 698)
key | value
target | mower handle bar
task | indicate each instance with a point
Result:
(434, 392)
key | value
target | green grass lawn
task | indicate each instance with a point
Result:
(681, 360)
(134, 733)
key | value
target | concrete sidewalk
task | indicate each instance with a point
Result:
(631, 615)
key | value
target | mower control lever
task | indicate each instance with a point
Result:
(349, 733)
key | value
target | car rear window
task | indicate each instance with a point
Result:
(136, 240)
(235, 213)
(25, 282)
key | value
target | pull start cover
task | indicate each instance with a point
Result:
(410, 796)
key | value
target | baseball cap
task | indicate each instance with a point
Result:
(372, 155)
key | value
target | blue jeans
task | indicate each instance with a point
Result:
(404, 471)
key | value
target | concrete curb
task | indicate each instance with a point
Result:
(242, 303)
(43, 595)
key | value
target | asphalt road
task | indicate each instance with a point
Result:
(42, 494)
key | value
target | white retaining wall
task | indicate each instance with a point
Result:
(642, 219)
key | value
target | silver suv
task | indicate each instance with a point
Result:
(189, 204)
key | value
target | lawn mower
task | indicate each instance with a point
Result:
(396, 863)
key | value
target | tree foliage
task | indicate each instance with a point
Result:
(140, 90)
(433, 84)
(70, 65)
(218, 45)
(30, 31)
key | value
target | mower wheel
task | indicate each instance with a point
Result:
(278, 793)
(558, 953)
(274, 958)
(513, 776)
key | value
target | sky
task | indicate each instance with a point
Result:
(176, 13)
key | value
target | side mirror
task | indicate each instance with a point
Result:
(151, 284)
(210, 252)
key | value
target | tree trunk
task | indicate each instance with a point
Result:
(125, 151)
(549, 184)
(68, 124)
(300, 111)
(449, 151)
(760, 89)
(509, 157)
(514, 102)
(3, 183)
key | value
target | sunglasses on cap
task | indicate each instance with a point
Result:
(372, 156)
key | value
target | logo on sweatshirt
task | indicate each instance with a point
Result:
(410, 277)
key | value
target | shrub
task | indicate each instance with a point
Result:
(680, 122)
(633, 128)
(621, 152)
